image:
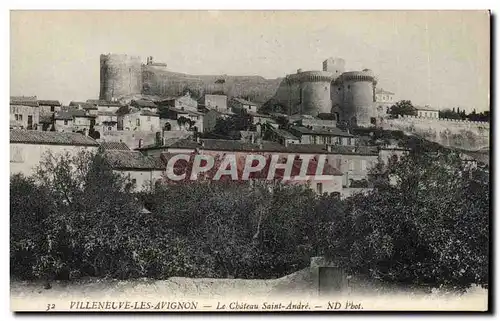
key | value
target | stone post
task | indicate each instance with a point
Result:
(328, 279)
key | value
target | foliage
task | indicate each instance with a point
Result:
(76, 217)
(403, 107)
(429, 226)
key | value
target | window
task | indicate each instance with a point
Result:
(110, 128)
(20, 117)
(138, 122)
(52, 108)
(363, 165)
(319, 188)
(17, 117)
(339, 163)
(373, 120)
(351, 165)
(65, 122)
(16, 154)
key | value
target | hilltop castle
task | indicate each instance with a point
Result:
(347, 96)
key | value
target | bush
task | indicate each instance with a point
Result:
(76, 217)
(431, 227)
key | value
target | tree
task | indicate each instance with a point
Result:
(403, 107)
(430, 226)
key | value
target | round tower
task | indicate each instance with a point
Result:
(357, 88)
(314, 91)
(121, 75)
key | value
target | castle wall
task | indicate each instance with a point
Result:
(132, 138)
(467, 135)
(120, 75)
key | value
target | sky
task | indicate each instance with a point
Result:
(436, 58)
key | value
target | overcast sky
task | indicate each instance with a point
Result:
(438, 58)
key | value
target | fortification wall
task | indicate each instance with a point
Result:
(166, 83)
(467, 135)
(120, 75)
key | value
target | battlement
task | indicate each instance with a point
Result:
(311, 76)
(366, 75)
(429, 119)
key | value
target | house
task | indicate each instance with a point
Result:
(49, 106)
(106, 121)
(332, 135)
(216, 102)
(238, 104)
(185, 102)
(261, 118)
(172, 145)
(63, 121)
(427, 112)
(135, 119)
(24, 113)
(105, 106)
(71, 119)
(143, 171)
(143, 104)
(91, 108)
(281, 136)
(27, 148)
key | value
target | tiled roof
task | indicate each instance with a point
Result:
(245, 102)
(98, 102)
(382, 91)
(121, 159)
(114, 146)
(83, 105)
(63, 115)
(124, 110)
(149, 113)
(182, 143)
(332, 131)
(49, 103)
(23, 98)
(283, 133)
(143, 103)
(50, 138)
(106, 113)
(24, 101)
(425, 108)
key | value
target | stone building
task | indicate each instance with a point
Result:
(135, 119)
(24, 113)
(427, 112)
(215, 102)
(27, 148)
(239, 104)
(143, 171)
(49, 106)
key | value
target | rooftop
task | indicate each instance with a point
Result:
(82, 104)
(382, 91)
(143, 103)
(49, 103)
(127, 159)
(114, 146)
(283, 133)
(30, 101)
(98, 102)
(50, 138)
(245, 102)
(331, 131)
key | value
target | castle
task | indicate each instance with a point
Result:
(347, 96)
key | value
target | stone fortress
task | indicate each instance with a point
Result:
(348, 97)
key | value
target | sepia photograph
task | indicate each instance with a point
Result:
(249, 160)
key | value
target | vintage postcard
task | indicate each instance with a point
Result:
(166, 161)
